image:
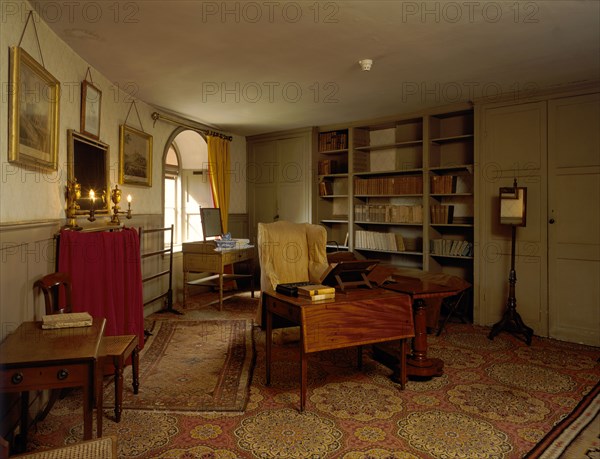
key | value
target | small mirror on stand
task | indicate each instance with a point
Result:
(513, 212)
(211, 222)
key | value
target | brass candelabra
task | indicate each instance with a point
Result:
(115, 197)
(72, 194)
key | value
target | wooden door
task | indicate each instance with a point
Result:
(293, 190)
(513, 146)
(262, 184)
(574, 219)
(279, 178)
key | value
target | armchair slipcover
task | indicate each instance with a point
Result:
(289, 252)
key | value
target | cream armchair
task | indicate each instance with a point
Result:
(289, 252)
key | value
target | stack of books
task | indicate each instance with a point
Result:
(316, 292)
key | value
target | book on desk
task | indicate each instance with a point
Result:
(307, 290)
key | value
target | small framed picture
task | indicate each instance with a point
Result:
(135, 156)
(33, 113)
(91, 103)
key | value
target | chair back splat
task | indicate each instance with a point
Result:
(56, 288)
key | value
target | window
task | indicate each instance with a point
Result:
(172, 189)
(186, 186)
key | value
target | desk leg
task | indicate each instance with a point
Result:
(419, 364)
(221, 291)
(303, 374)
(98, 381)
(21, 440)
(90, 391)
(185, 287)
(268, 344)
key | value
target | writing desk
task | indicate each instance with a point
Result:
(34, 359)
(358, 317)
(201, 257)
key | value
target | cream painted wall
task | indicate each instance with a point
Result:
(32, 204)
(31, 196)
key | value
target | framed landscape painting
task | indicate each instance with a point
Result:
(135, 156)
(91, 99)
(33, 113)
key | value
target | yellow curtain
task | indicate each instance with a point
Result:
(218, 168)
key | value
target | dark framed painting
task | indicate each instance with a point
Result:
(135, 156)
(34, 96)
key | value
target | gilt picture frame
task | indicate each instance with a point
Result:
(34, 96)
(91, 105)
(135, 156)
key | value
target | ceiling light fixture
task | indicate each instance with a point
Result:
(365, 64)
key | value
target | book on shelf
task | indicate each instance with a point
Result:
(334, 140)
(441, 214)
(409, 184)
(327, 166)
(314, 289)
(443, 184)
(67, 320)
(325, 188)
(451, 247)
(388, 213)
(374, 240)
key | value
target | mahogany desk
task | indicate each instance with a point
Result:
(201, 257)
(34, 359)
(358, 317)
(418, 364)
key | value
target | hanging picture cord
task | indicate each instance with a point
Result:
(37, 39)
(88, 72)
(138, 114)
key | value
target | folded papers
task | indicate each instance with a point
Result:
(67, 320)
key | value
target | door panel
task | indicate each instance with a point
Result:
(293, 193)
(574, 207)
(514, 146)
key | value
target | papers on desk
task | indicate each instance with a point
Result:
(232, 244)
(67, 320)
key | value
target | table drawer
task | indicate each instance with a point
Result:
(236, 256)
(19, 379)
(286, 311)
(202, 262)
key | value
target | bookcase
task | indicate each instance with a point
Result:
(402, 189)
(450, 169)
(333, 185)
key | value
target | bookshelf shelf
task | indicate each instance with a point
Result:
(456, 138)
(386, 223)
(334, 152)
(391, 172)
(411, 143)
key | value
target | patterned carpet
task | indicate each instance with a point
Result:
(496, 399)
(209, 362)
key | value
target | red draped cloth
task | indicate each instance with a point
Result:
(106, 276)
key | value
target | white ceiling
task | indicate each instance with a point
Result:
(253, 67)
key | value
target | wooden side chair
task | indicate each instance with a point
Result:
(114, 351)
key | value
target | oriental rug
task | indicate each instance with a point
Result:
(496, 399)
(198, 365)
